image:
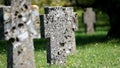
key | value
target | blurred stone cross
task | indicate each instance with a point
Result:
(21, 26)
(89, 20)
(58, 25)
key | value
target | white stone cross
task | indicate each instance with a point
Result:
(21, 26)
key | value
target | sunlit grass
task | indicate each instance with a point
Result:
(3, 63)
(93, 51)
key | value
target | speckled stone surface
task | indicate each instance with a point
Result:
(35, 26)
(71, 27)
(21, 26)
(3, 18)
(58, 25)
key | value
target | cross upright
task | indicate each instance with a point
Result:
(56, 26)
(89, 20)
(71, 27)
(21, 23)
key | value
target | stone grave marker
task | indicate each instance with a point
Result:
(89, 20)
(71, 27)
(57, 27)
(20, 28)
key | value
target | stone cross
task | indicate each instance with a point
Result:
(57, 25)
(71, 27)
(21, 21)
(89, 20)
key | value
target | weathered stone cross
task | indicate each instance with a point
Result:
(58, 25)
(89, 20)
(20, 29)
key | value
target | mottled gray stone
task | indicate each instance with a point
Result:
(36, 21)
(58, 25)
(4, 17)
(89, 20)
(21, 26)
(71, 26)
(7, 20)
(34, 16)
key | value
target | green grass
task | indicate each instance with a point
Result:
(93, 51)
(3, 57)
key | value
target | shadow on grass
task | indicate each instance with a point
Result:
(90, 39)
(40, 44)
(3, 47)
(98, 37)
(81, 40)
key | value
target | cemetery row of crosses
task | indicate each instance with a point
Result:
(21, 24)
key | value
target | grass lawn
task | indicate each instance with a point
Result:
(93, 51)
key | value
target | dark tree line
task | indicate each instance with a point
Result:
(110, 7)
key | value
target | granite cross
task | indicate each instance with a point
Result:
(20, 28)
(57, 25)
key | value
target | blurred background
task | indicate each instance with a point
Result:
(100, 49)
(102, 18)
